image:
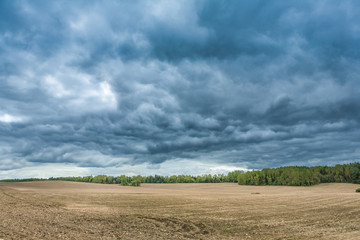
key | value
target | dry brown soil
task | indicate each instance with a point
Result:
(69, 210)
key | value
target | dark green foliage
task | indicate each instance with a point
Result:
(302, 176)
(207, 178)
(357, 190)
(124, 180)
(137, 180)
(100, 179)
(291, 176)
(233, 176)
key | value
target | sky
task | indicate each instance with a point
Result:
(177, 87)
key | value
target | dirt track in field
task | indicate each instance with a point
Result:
(68, 210)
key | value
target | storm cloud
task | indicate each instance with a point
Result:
(177, 87)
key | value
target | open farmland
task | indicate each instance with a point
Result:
(69, 210)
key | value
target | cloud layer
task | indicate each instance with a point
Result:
(144, 85)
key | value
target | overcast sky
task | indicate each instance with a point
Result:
(177, 87)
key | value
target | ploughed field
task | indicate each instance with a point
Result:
(69, 210)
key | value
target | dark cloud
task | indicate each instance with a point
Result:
(148, 86)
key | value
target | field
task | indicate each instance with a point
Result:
(69, 210)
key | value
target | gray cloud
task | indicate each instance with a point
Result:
(116, 85)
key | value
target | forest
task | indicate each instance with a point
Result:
(302, 176)
(289, 176)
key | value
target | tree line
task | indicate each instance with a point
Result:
(302, 176)
(137, 180)
(290, 176)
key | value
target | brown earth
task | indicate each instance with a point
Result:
(68, 210)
